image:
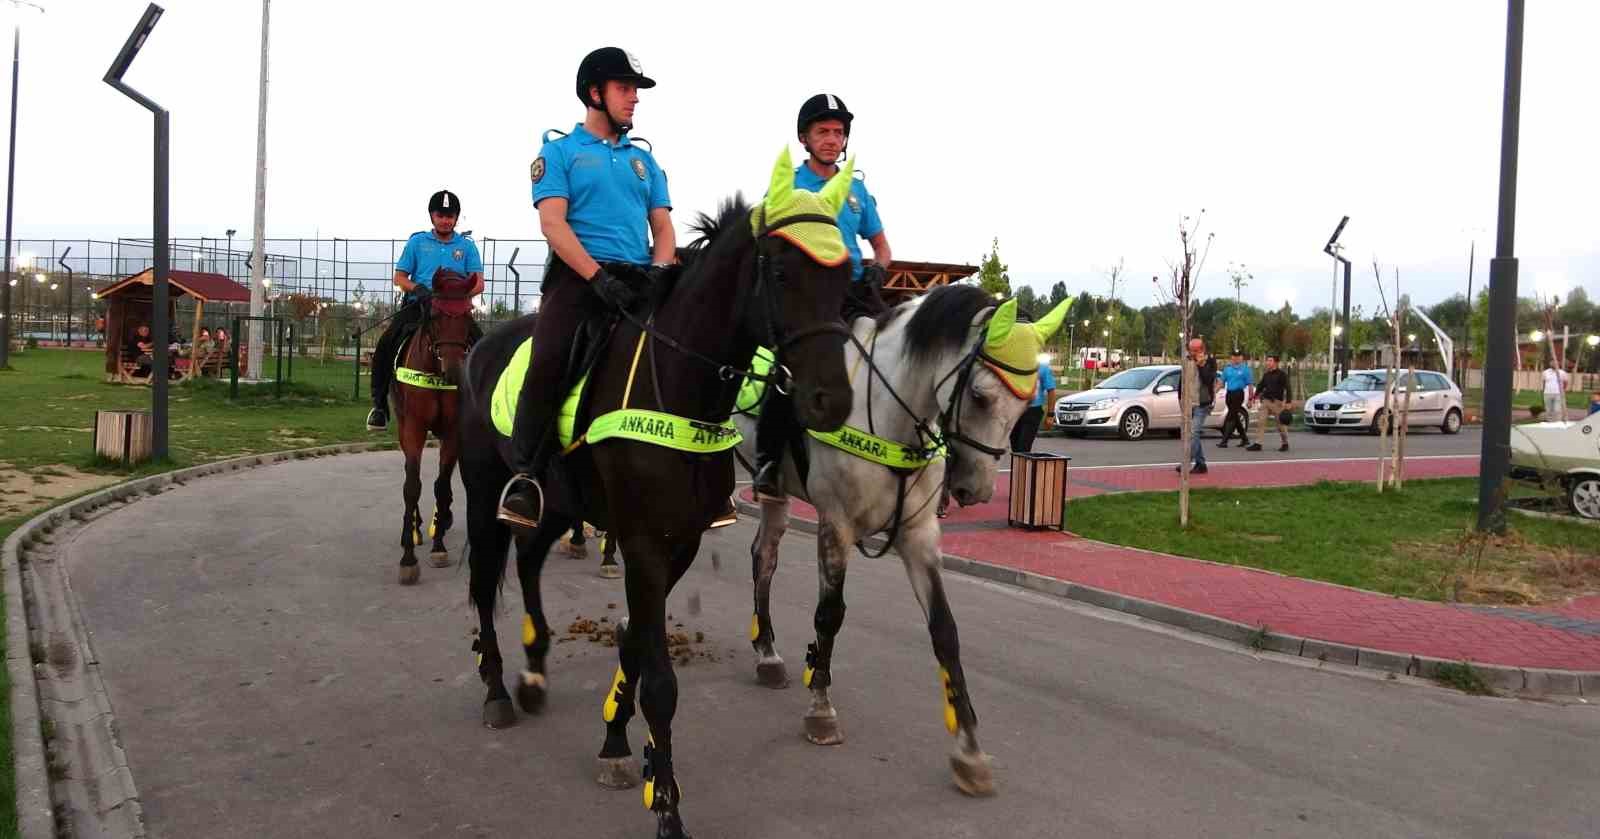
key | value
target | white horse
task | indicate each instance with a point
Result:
(938, 383)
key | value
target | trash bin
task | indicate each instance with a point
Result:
(1038, 491)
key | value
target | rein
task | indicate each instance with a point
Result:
(780, 377)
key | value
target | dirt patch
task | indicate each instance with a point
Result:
(22, 491)
(1506, 570)
(288, 437)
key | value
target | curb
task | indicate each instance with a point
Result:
(64, 691)
(1522, 681)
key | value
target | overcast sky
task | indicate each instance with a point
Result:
(1078, 133)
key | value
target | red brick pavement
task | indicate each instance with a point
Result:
(1286, 605)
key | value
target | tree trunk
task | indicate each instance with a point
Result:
(1191, 385)
(1402, 430)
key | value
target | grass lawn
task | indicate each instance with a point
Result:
(47, 437)
(1416, 543)
(1578, 401)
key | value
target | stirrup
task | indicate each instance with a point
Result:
(727, 517)
(511, 517)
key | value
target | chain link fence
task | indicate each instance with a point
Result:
(332, 296)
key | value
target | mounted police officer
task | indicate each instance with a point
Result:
(824, 129)
(604, 209)
(426, 253)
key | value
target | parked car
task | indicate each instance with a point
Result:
(1356, 404)
(1564, 455)
(1132, 403)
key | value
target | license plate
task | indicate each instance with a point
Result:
(1326, 415)
(1074, 416)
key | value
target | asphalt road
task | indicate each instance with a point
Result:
(270, 678)
(1159, 448)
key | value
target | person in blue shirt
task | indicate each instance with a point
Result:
(1044, 395)
(1236, 379)
(604, 209)
(823, 126)
(425, 253)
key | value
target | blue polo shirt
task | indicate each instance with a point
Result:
(610, 191)
(424, 254)
(858, 218)
(1047, 383)
(1236, 376)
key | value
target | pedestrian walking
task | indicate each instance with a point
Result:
(1236, 379)
(1206, 372)
(1272, 394)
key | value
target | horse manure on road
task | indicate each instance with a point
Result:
(683, 647)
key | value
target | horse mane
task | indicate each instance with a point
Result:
(941, 320)
(731, 212)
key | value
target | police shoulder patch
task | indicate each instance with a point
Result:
(638, 168)
(854, 202)
(536, 170)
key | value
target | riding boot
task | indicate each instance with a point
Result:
(522, 500)
(773, 431)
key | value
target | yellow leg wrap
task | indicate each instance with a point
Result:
(650, 782)
(755, 627)
(608, 712)
(433, 526)
(805, 678)
(529, 634)
(950, 722)
(478, 659)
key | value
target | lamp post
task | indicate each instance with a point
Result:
(11, 180)
(1338, 361)
(1500, 344)
(159, 325)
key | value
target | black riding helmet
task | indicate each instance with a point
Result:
(823, 106)
(446, 202)
(609, 64)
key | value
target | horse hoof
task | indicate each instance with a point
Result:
(439, 559)
(618, 773)
(772, 674)
(498, 713)
(824, 731)
(610, 571)
(532, 692)
(410, 574)
(973, 775)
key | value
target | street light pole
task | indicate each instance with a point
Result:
(11, 183)
(1501, 340)
(159, 326)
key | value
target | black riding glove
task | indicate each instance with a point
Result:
(874, 275)
(616, 292)
(421, 293)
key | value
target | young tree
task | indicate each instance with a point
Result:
(992, 273)
(1180, 292)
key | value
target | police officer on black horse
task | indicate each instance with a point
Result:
(603, 207)
(824, 129)
(426, 253)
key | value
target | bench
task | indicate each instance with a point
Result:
(127, 370)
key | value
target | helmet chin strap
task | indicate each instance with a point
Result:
(620, 128)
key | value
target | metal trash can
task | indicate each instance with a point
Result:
(1038, 491)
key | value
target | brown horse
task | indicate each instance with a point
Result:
(424, 399)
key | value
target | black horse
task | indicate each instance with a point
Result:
(765, 276)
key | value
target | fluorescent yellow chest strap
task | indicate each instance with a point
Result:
(418, 378)
(879, 450)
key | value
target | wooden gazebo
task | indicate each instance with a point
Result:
(909, 279)
(128, 307)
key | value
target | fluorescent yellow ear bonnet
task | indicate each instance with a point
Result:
(1011, 349)
(809, 215)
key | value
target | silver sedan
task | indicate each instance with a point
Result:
(1356, 404)
(1132, 403)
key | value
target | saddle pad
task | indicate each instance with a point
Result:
(751, 390)
(660, 429)
(503, 399)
